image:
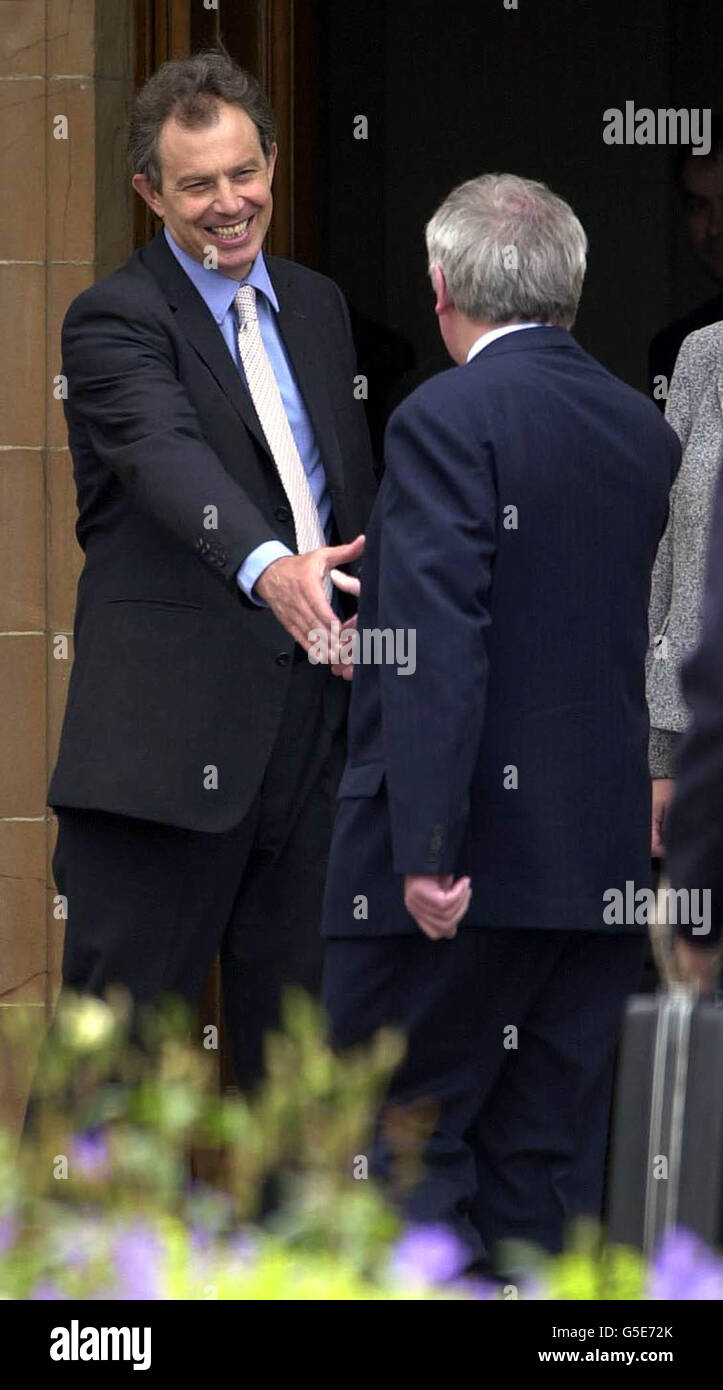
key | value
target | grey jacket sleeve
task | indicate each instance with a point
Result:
(663, 739)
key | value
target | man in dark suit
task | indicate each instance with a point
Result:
(699, 180)
(502, 784)
(223, 470)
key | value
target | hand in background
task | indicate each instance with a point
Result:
(662, 795)
(697, 965)
(293, 589)
(437, 903)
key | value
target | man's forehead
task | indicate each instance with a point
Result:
(177, 143)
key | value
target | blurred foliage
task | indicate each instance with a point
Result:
(99, 1202)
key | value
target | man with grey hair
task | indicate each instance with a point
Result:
(493, 797)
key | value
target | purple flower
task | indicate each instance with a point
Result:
(243, 1247)
(138, 1258)
(89, 1153)
(480, 1290)
(685, 1268)
(199, 1238)
(430, 1254)
(76, 1244)
(45, 1291)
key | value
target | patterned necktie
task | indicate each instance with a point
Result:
(266, 396)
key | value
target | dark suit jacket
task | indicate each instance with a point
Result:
(666, 344)
(694, 830)
(176, 672)
(515, 529)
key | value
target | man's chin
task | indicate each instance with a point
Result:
(237, 261)
(235, 268)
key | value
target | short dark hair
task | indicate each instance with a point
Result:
(190, 89)
(686, 152)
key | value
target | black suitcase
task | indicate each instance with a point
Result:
(666, 1165)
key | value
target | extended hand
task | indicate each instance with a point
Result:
(437, 903)
(293, 589)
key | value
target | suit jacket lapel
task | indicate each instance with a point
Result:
(197, 323)
(305, 349)
(301, 339)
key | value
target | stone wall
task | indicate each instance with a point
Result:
(65, 219)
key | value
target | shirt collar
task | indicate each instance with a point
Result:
(493, 333)
(219, 290)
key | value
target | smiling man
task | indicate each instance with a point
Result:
(223, 470)
(204, 204)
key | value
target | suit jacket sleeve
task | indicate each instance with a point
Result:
(695, 825)
(438, 536)
(124, 391)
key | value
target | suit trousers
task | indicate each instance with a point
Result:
(150, 905)
(506, 1084)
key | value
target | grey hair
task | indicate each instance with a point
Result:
(509, 248)
(190, 90)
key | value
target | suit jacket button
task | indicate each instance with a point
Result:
(283, 659)
(282, 514)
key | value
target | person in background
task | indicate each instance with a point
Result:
(699, 181)
(695, 410)
(694, 832)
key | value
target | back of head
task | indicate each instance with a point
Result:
(509, 248)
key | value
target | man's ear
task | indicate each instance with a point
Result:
(442, 300)
(148, 193)
(271, 162)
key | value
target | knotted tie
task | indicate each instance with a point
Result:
(266, 396)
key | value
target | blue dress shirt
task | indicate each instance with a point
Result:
(219, 292)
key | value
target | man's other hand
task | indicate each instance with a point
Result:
(437, 903)
(345, 669)
(662, 795)
(697, 965)
(293, 588)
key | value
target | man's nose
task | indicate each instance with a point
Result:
(227, 199)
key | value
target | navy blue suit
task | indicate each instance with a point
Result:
(516, 528)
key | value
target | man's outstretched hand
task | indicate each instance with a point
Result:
(437, 903)
(293, 589)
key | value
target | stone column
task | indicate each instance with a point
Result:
(65, 86)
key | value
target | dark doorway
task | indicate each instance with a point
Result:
(457, 90)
